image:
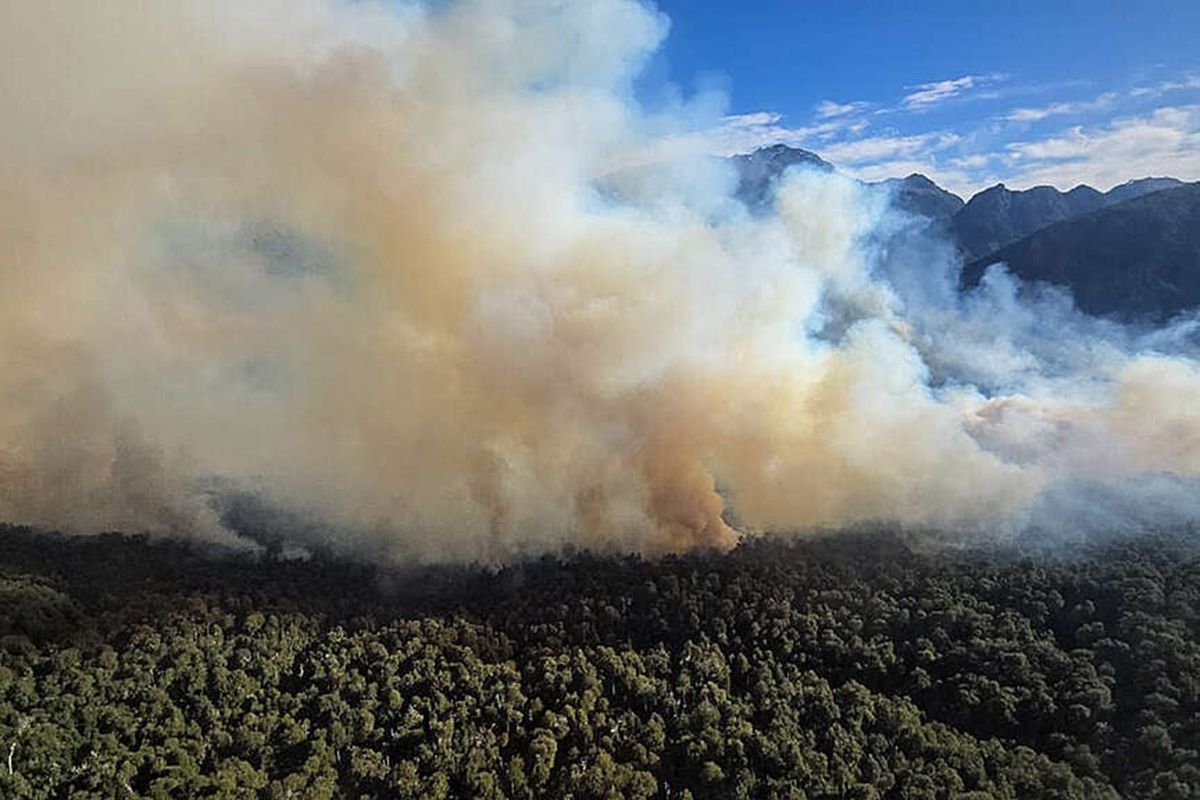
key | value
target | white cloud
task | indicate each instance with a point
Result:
(876, 158)
(829, 108)
(751, 120)
(861, 152)
(927, 95)
(974, 161)
(1189, 81)
(746, 132)
(1164, 142)
(1060, 109)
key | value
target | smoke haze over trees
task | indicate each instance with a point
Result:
(306, 305)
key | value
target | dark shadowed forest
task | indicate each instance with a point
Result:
(850, 666)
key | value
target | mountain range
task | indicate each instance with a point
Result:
(1134, 259)
(1132, 252)
(999, 216)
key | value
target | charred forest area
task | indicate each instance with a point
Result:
(858, 665)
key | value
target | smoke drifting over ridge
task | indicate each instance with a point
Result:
(380, 267)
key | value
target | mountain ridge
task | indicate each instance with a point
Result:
(917, 194)
(1148, 266)
(1135, 259)
(998, 216)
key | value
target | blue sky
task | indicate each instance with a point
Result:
(971, 92)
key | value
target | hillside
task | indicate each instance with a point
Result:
(1136, 259)
(851, 667)
(998, 216)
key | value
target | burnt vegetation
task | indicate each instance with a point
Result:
(852, 666)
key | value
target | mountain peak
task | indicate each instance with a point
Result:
(759, 171)
(782, 156)
(920, 196)
(1138, 187)
(911, 179)
(780, 147)
(998, 216)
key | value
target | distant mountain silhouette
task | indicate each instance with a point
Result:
(999, 216)
(1136, 259)
(920, 196)
(1132, 189)
(1132, 252)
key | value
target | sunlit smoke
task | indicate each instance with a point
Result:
(400, 270)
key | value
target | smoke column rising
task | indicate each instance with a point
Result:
(382, 267)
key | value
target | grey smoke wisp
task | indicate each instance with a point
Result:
(383, 267)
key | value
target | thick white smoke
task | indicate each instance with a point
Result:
(380, 266)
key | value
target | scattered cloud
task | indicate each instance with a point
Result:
(1062, 108)
(829, 108)
(877, 158)
(927, 95)
(1163, 142)
(872, 149)
(1128, 140)
(975, 161)
(1189, 81)
(752, 120)
(745, 132)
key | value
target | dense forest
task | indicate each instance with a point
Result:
(849, 666)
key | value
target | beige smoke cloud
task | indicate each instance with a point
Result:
(353, 257)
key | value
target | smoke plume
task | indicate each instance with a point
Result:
(392, 268)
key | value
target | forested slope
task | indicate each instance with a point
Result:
(851, 667)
